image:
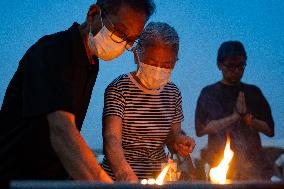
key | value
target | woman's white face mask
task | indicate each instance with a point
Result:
(103, 46)
(153, 77)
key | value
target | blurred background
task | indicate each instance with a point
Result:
(202, 26)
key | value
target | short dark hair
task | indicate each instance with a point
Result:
(231, 48)
(112, 6)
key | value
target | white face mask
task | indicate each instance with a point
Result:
(103, 46)
(153, 77)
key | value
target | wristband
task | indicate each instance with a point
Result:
(248, 119)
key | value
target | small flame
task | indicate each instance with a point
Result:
(218, 174)
(144, 181)
(160, 178)
(162, 175)
(151, 181)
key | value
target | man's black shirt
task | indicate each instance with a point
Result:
(54, 74)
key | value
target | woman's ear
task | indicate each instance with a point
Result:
(93, 10)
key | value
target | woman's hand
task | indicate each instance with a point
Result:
(183, 145)
(126, 174)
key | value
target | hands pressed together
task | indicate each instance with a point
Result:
(241, 110)
(241, 107)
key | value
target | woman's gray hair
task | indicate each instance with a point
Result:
(158, 32)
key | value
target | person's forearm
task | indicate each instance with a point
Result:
(216, 125)
(72, 150)
(115, 156)
(277, 171)
(262, 126)
(170, 141)
(76, 157)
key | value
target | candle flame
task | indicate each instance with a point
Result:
(151, 181)
(218, 174)
(160, 178)
(144, 181)
(162, 175)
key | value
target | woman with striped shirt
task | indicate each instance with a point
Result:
(143, 110)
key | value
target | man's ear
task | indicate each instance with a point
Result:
(135, 53)
(219, 64)
(93, 10)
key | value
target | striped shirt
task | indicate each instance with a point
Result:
(146, 122)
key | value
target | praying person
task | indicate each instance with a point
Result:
(239, 109)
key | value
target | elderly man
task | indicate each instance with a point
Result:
(47, 99)
(143, 110)
(239, 110)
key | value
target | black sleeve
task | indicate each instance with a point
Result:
(47, 83)
(201, 115)
(263, 110)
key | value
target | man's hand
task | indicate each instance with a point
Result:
(241, 107)
(104, 177)
(183, 145)
(248, 119)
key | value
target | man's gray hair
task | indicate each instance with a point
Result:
(158, 32)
